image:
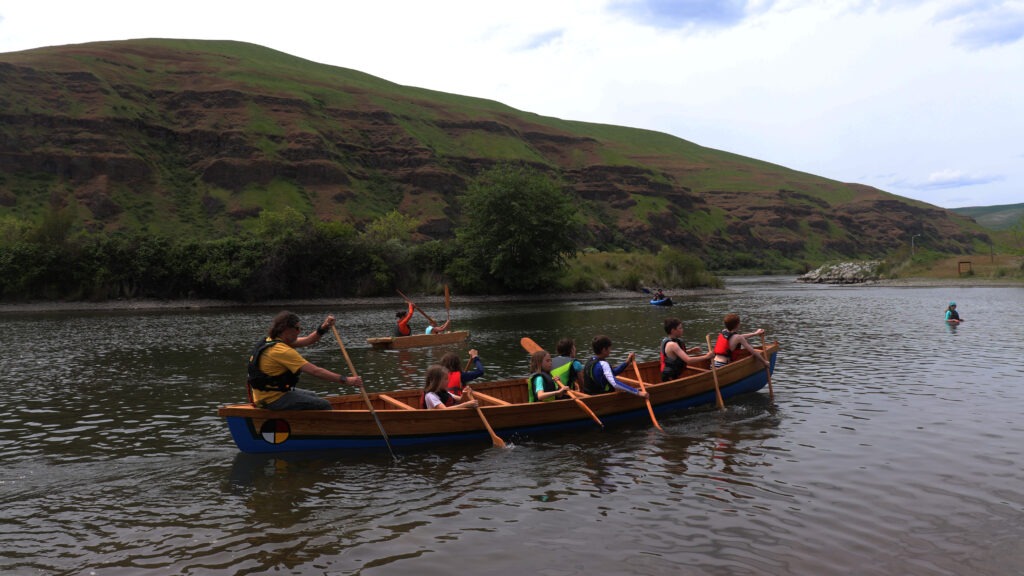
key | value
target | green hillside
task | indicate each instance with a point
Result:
(204, 140)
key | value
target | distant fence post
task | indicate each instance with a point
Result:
(964, 267)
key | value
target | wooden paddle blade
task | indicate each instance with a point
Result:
(767, 370)
(495, 439)
(529, 345)
(650, 409)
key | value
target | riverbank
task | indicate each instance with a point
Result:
(142, 304)
(391, 301)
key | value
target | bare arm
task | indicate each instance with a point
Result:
(325, 374)
(314, 336)
(746, 346)
(674, 350)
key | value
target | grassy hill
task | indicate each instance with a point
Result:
(1003, 217)
(188, 138)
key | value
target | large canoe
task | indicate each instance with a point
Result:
(349, 425)
(417, 340)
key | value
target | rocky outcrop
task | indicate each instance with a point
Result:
(843, 273)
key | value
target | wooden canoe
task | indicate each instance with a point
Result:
(417, 340)
(349, 425)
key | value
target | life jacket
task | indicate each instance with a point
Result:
(561, 368)
(259, 380)
(455, 383)
(952, 314)
(722, 344)
(549, 385)
(593, 384)
(671, 367)
(443, 395)
(402, 327)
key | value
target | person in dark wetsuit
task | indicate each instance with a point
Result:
(274, 367)
(599, 376)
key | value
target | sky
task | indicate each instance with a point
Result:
(924, 99)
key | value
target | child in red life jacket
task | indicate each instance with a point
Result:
(729, 341)
(435, 392)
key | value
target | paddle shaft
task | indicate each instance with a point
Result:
(495, 439)
(576, 396)
(447, 304)
(714, 373)
(362, 389)
(640, 382)
(767, 369)
(417, 308)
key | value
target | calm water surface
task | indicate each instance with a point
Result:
(893, 446)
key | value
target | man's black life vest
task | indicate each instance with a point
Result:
(261, 381)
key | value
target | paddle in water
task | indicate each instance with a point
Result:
(714, 373)
(495, 439)
(362, 389)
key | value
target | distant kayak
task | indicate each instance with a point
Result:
(666, 301)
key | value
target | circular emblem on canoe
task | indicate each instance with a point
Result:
(275, 431)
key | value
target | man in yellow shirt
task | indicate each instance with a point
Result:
(274, 367)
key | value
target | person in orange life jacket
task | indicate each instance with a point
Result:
(403, 318)
(729, 340)
(435, 391)
(435, 329)
(542, 386)
(565, 366)
(598, 375)
(673, 351)
(456, 376)
(274, 367)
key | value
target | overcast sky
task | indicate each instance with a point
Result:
(924, 99)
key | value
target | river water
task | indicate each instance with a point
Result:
(893, 446)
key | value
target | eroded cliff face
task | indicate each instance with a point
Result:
(135, 133)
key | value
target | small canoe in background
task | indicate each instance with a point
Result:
(666, 301)
(417, 340)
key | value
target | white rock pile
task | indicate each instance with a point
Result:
(843, 273)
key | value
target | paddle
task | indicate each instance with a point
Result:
(418, 309)
(495, 439)
(650, 409)
(447, 304)
(530, 346)
(767, 370)
(714, 372)
(362, 389)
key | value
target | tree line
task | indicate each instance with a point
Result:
(517, 232)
